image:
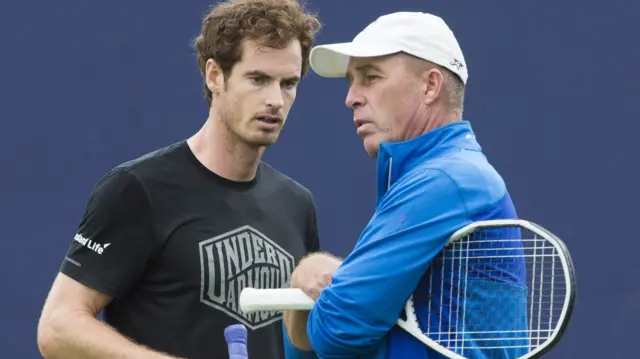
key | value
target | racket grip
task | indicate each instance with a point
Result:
(236, 337)
(264, 300)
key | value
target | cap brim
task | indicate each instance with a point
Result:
(332, 60)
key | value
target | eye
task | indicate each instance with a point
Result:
(258, 80)
(289, 84)
(371, 78)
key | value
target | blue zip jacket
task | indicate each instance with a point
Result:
(428, 187)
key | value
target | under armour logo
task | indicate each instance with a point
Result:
(243, 257)
(457, 64)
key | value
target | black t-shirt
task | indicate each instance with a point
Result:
(174, 244)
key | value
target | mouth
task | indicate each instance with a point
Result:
(364, 127)
(269, 119)
(359, 123)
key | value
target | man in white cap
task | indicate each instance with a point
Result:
(407, 76)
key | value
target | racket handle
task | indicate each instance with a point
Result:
(236, 337)
(265, 300)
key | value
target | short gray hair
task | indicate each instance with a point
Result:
(453, 85)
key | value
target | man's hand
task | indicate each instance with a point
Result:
(314, 273)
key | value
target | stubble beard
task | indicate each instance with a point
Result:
(241, 132)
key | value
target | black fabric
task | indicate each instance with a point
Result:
(174, 244)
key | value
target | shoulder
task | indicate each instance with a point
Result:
(285, 185)
(117, 194)
(470, 175)
(156, 162)
(131, 175)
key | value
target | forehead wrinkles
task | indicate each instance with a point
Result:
(395, 64)
(360, 65)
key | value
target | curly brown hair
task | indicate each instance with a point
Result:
(272, 23)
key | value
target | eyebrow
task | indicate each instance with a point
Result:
(264, 74)
(362, 69)
(368, 67)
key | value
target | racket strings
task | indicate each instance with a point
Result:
(496, 291)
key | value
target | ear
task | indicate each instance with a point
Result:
(432, 85)
(213, 76)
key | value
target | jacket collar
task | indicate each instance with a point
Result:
(395, 159)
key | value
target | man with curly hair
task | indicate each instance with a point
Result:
(168, 240)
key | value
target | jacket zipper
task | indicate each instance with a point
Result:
(389, 174)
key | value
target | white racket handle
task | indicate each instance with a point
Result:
(265, 300)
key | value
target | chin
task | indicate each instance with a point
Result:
(263, 143)
(371, 147)
(263, 140)
(372, 152)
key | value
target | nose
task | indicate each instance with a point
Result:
(354, 98)
(274, 97)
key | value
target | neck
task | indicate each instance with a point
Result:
(223, 152)
(433, 118)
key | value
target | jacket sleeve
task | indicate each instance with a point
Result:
(411, 225)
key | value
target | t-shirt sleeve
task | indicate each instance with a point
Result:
(114, 239)
(313, 239)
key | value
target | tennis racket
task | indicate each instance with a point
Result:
(236, 337)
(498, 289)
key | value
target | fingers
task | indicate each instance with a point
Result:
(314, 284)
(313, 275)
(313, 291)
(327, 278)
(314, 288)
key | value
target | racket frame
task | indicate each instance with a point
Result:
(254, 300)
(411, 324)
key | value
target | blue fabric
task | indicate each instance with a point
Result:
(428, 187)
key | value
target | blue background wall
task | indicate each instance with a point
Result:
(85, 85)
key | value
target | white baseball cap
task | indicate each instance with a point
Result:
(422, 35)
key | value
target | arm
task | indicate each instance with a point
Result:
(292, 352)
(106, 257)
(295, 322)
(68, 327)
(312, 275)
(411, 225)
